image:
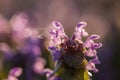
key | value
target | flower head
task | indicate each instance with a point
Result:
(73, 51)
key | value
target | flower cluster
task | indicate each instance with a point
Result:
(20, 47)
(73, 51)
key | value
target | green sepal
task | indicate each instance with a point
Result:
(73, 74)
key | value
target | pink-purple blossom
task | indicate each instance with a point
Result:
(74, 50)
(47, 72)
(14, 73)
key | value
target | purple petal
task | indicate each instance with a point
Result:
(91, 53)
(36, 50)
(94, 37)
(77, 35)
(56, 55)
(79, 31)
(52, 48)
(52, 32)
(57, 78)
(38, 67)
(97, 45)
(60, 33)
(57, 24)
(84, 33)
(95, 70)
(11, 77)
(56, 41)
(88, 43)
(17, 71)
(95, 61)
(91, 66)
(48, 72)
(81, 24)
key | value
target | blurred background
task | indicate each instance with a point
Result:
(24, 37)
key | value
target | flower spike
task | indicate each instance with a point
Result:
(73, 51)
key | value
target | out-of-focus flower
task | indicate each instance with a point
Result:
(72, 52)
(39, 65)
(14, 73)
(24, 52)
(47, 72)
(5, 48)
(22, 29)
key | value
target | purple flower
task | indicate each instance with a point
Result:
(39, 65)
(91, 64)
(20, 45)
(14, 73)
(73, 51)
(47, 72)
